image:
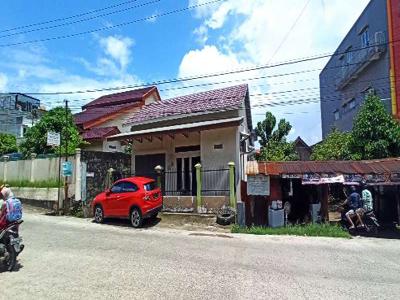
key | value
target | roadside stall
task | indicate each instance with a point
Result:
(308, 188)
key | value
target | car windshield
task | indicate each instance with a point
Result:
(150, 186)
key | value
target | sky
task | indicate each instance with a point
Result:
(105, 44)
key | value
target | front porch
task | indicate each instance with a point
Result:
(178, 150)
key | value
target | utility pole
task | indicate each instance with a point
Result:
(66, 200)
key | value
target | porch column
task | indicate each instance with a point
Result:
(232, 198)
(158, 169)
(198, 186)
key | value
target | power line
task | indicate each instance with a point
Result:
(290, 30)
(81, 20)
(348, 91)
(68, 18)
(255, 68)
(179, 10)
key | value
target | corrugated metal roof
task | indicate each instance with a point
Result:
(382, 166)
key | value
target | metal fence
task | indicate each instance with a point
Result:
(214, 182)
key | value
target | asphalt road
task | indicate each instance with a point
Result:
(68, 258)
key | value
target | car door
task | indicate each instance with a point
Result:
(130, 191)
(112, 201)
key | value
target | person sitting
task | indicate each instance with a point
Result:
(5, 193)
(354, 203)
(367, 199)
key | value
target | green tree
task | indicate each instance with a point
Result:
(375, 134)
(272, 139)
(56, 120)
(336, 146)
(8, 143)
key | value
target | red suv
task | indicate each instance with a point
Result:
(135, 198)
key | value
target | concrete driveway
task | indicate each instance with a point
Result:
(69, 258)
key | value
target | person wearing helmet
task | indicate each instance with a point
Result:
(5, 193)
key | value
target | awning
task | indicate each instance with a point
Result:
(177, 129)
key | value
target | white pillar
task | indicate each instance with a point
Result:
(6, 157)
(33, 164)
(78, 174)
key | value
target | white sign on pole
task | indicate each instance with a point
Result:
(258, 185)
(53, 138)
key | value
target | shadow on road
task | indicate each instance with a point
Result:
(17, 267)
(147, 223)
(384, 233)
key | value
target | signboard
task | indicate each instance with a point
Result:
(67, 168)
(53, 138)
(258, 185)
(317, 179)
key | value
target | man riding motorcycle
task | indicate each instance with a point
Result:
(354, 203)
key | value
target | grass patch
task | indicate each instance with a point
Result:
(36, 184)
(306, 230)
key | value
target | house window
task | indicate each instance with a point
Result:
(349, 55)
(218, 146)
(352, 103)
(183, 174)
(336, 113)
(365, 38)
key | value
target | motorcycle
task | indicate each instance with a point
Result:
(10, 245)
(369, 219)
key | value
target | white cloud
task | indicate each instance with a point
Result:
(32, 70)
(118, 48)
(3, 82)
(249, 32)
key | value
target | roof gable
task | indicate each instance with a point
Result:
(210, 101)
(121, 98)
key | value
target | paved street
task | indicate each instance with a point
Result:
(68, 258)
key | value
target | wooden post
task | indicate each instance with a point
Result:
(198, 187)
(324, 203)
(232, 198)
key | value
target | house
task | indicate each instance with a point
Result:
(17, 113)
(366, 61)
(212, 128)
(104, 117)
(302, 149)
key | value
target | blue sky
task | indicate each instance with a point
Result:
(226, 35)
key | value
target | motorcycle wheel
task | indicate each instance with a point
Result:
(10, 258)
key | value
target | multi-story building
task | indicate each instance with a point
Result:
(365, 62)
(17, 113)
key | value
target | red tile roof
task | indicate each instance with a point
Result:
(100, 133)
(108, 105)
(209, 101)
(382, 166)
(95, 113)
(120, 98)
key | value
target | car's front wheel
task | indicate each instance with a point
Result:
(136, 218)
(98, 214)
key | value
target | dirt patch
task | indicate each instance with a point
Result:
(192, 222)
